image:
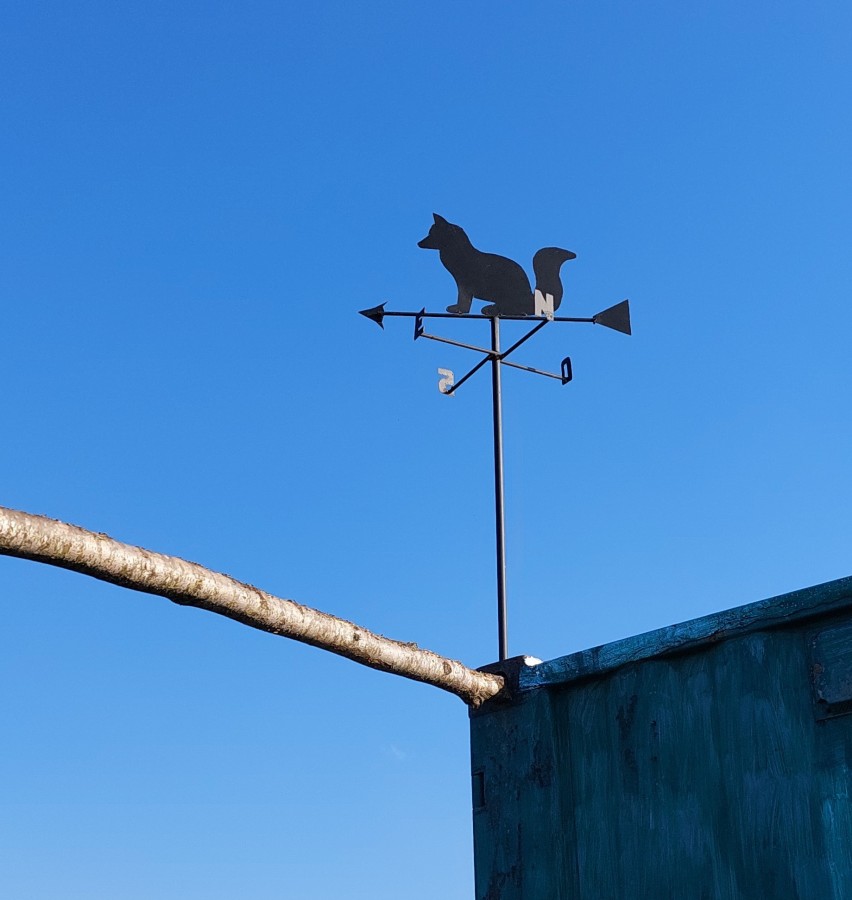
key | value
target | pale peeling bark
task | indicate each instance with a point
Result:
(45, 540)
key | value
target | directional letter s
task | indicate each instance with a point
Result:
(446, 381)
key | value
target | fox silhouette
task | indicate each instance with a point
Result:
(496, 279)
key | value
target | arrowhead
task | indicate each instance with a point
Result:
(376, 314)
(616, 317)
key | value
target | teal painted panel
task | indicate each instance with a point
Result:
(704, 777)
(517, 850)
(711, 773)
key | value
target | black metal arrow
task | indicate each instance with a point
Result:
(616, 317)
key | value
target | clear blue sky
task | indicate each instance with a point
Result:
(197, 199)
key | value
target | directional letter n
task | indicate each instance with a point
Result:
(544, 304)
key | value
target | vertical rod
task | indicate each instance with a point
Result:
(496, 396)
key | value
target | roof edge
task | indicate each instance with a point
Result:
(775, 612)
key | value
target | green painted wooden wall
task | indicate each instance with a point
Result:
(707, 761)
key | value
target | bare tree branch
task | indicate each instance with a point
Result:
(45, 540)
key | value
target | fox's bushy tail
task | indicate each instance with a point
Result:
(546, 265)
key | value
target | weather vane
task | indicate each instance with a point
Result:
(503, 284)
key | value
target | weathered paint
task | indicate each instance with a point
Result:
(708, 761)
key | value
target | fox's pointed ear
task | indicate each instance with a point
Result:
(439, 220)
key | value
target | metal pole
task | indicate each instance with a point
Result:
(498, 490)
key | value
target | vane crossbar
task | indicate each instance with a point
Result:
(491, 357)
(491, 354)
(515, 365)
(564, 377)
(501, 356)
(526, 337)
(443, 340)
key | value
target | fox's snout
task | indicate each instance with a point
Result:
(439, 234)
